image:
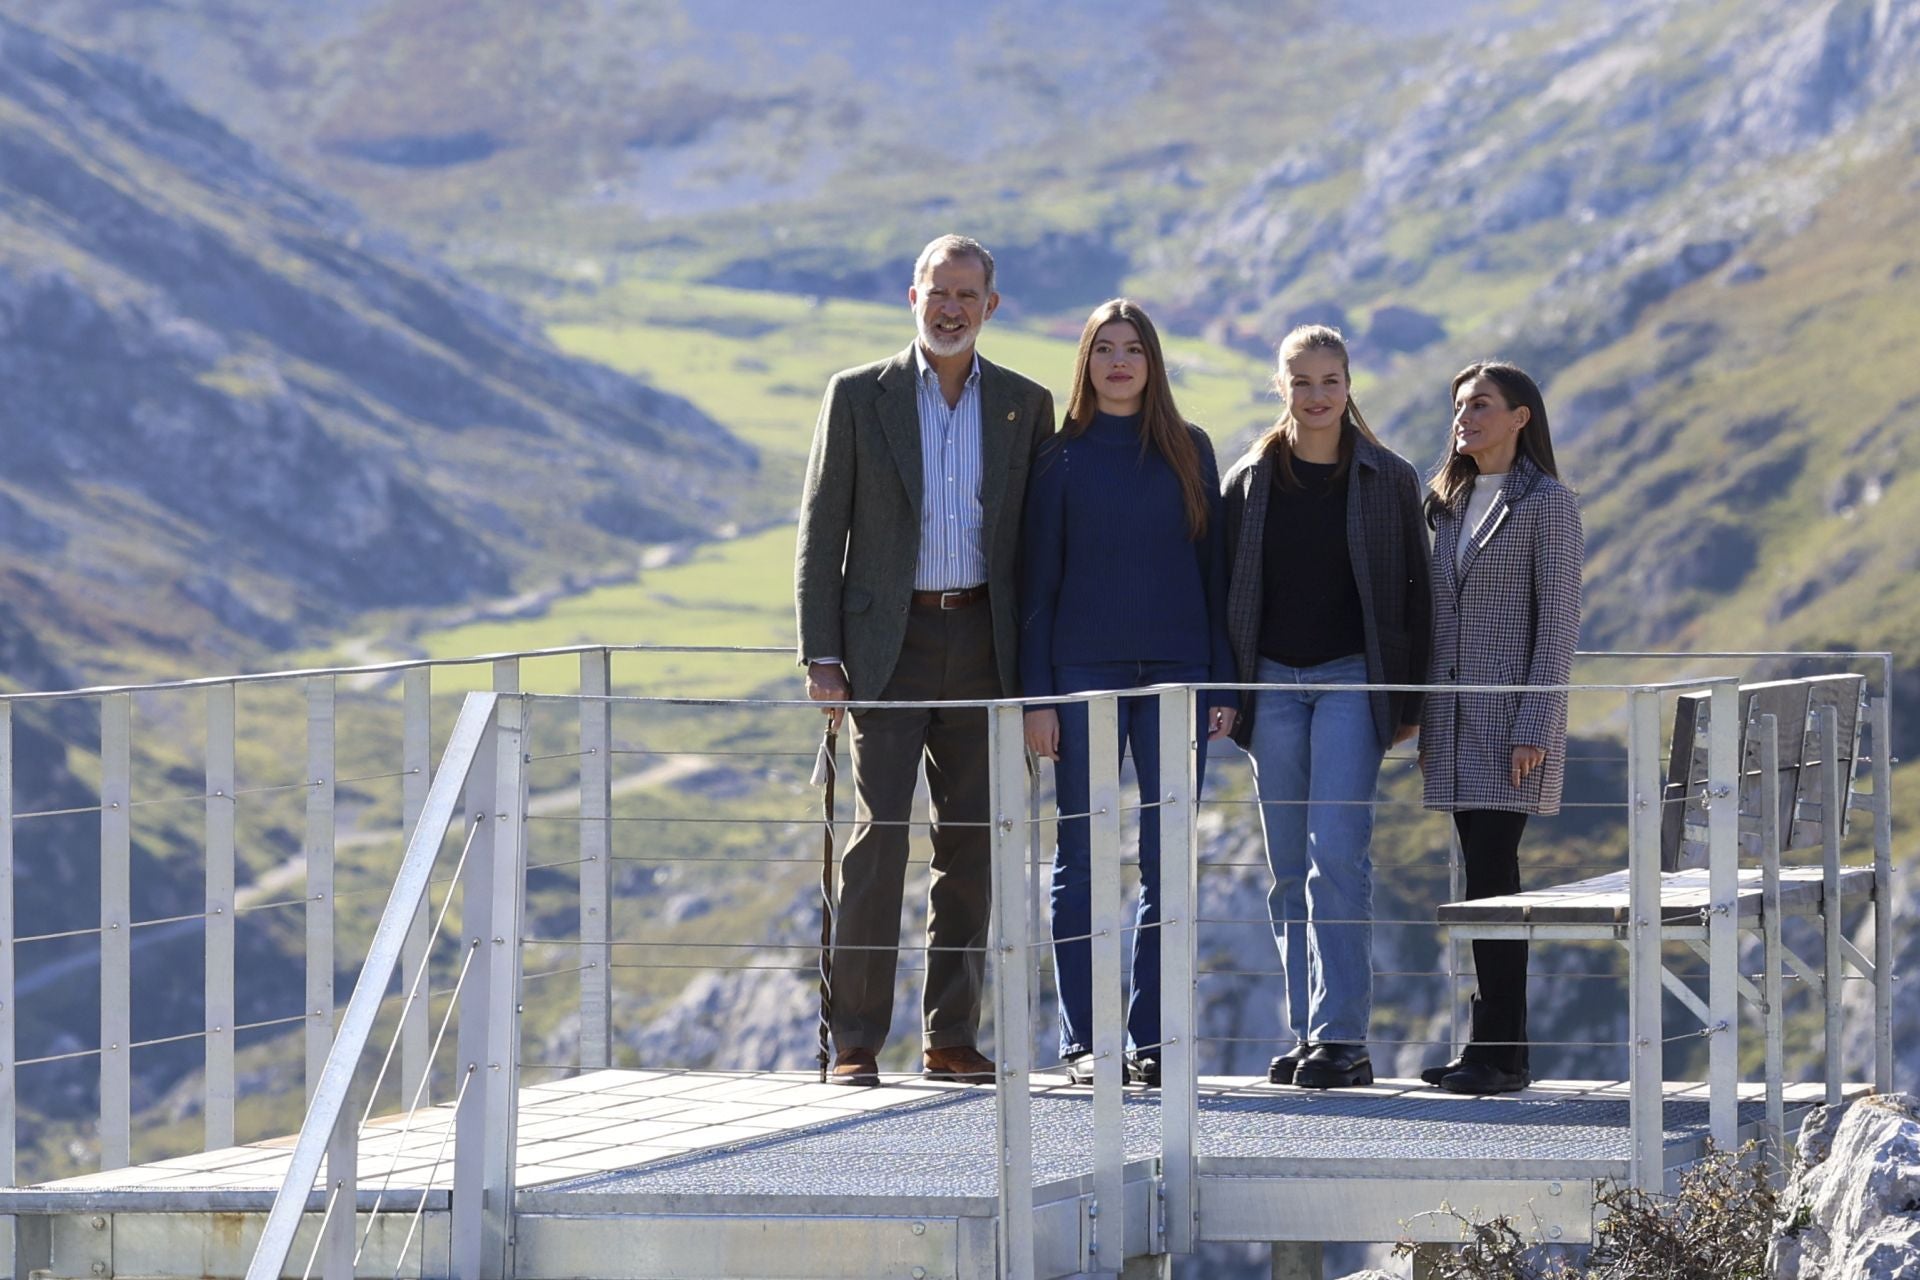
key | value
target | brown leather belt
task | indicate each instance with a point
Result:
(950, 599)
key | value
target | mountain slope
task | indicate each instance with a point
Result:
(235, 410)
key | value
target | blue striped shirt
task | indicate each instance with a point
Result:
(951, 557)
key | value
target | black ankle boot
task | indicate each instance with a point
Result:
(1335, 1066)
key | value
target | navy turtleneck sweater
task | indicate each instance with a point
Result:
(1108, 573)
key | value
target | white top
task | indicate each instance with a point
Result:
(1485, 489)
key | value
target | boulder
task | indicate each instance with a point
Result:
(1853, 1209)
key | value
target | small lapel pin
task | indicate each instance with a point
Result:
(1011, 415)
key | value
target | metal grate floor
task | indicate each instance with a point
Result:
(1421, 1124)
(944, 1145)
(639, 1136)
(940, 1146)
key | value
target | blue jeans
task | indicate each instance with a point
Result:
(1316, 761)
(1139, 725)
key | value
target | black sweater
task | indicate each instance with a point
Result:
(1310, 605)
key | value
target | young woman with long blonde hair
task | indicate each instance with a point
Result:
(1329, 588)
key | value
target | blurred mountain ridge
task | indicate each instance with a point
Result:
(235, 411)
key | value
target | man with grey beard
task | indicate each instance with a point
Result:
(905, 583)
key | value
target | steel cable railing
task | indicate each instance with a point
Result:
(472, 735)
(1017, 829)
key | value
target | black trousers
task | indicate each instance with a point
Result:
(1490, 849)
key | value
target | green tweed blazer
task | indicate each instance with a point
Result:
(859, 533)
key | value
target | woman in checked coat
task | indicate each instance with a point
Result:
(1507, 553)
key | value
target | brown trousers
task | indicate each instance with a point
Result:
(947, 654)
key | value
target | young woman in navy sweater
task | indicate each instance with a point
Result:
(1123, 585)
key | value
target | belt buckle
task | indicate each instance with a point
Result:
(955, 599)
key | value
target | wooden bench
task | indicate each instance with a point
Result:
(1797, 707)
(1798, 747)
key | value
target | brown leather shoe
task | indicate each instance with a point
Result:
(961, 1063)
(856, 1067)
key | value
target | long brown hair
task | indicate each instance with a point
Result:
(1161, 426)
(1453, 481)
(1278, 441)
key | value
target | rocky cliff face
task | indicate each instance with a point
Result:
(234, 408)
(1854, 1202)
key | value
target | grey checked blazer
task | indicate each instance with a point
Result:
(1509, 615)
(1387, 543)
(860, 515)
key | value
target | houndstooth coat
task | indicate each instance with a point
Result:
(1510, 614)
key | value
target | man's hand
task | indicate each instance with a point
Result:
(1220, 722)
(1043, 732)
(1525, 761)
(827, 682)
(1405, 733)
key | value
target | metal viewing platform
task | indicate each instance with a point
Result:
(633, 1174)
(468, 1112)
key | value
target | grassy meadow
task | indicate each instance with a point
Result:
(758, 363)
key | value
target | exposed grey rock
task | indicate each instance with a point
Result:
(1812, 77)
(763, 1018)
(1854, 1207)
(1861, 485)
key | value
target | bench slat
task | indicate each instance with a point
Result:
(1683, 896)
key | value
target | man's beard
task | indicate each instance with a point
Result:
(941, 344)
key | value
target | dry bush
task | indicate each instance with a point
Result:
(1715, 1228)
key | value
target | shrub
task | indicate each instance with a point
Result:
(1715, 1228)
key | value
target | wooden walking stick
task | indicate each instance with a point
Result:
(823, 774)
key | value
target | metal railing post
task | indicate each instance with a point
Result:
(116, 918)
(1881, 720)
(1772, 989)
(319, 854)
(416, 763)
(1456, 890)
(501, 955)
(1042, 834)
(221, 1000)
(468, 1202)
(1833, 971)
(596, 859)
(1179, 901)
(1645, 1052)
(9, 1099)
(1013, 1098)
(340, 1234)
(1723, 920)
(1109, 1015)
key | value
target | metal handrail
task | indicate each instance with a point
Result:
(397, 666)
(480, 659)
(383, 955)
